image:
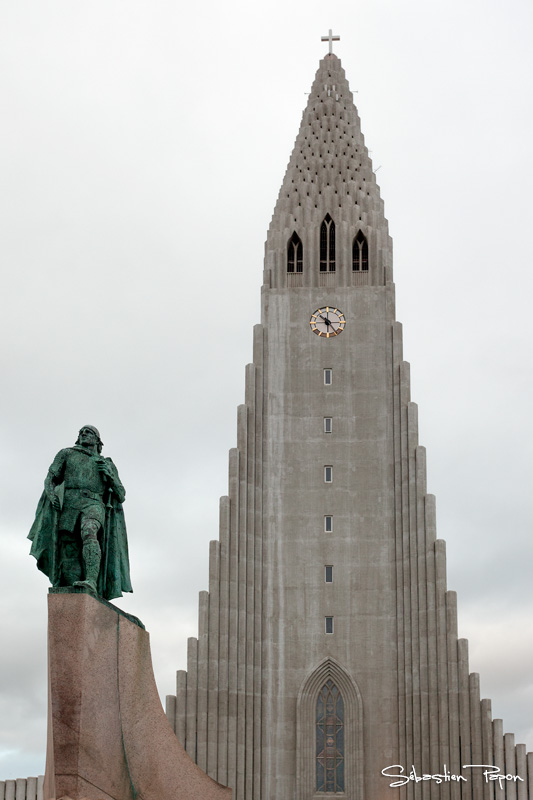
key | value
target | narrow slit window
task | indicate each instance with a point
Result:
(328, 424)
(294, 254)
(328, 377)
(329, 624)
(327, 245)
(328, 523)
(360, 253)
(328, 573)
(328, 474)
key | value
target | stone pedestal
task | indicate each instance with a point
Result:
(108, 736)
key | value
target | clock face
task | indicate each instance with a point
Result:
(327, 322)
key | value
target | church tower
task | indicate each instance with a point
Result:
(327, 647)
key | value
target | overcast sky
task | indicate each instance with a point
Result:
(142, 149)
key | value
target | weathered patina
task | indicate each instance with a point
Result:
(79, 534)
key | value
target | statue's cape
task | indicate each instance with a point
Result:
(114, 578)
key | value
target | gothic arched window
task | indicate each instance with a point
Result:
(327, 245)
(329, 706)
(329, 740)
(294, 254)
(360, 253)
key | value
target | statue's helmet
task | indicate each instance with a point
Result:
(96, 432)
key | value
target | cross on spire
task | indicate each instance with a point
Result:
(330, 38)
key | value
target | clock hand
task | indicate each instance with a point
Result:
(326, 320)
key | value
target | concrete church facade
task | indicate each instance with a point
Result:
(327, 647)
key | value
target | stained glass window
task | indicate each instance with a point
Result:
(329, 740)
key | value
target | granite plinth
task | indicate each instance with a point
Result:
(85, 590)
(108, 736)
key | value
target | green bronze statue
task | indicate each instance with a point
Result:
(80, 540)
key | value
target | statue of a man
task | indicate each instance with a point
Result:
(81, 539)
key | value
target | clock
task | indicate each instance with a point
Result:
(327, 322)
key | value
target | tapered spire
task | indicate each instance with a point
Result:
(329, 172)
